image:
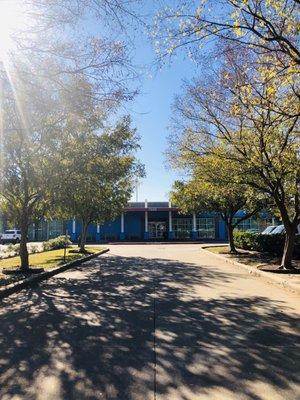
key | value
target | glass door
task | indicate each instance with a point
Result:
(157, 230)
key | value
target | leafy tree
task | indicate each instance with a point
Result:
(214, 186)
(266, 26)
(249, 116)
(98, 174)
(52, 40)
(27, 144)
(47, 77)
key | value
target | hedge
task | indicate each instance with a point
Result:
(273, 244)
(57, 243)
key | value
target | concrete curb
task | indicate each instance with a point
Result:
(267, 276)
(34, 279)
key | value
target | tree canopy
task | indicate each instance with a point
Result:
(266, 26)
(98, 171)
(213, 184)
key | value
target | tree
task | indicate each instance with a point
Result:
(249, 117)
(27, 143)
(50, 37)
(49, 67)
(266, 26)
(98, 174)
(214, 186)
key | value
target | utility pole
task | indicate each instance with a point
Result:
(137, 183)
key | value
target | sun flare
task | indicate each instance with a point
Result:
(12, 20)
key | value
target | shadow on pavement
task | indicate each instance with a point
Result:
(89, 334)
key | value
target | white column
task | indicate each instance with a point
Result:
(33, 229)
(146, 221)
(74, 225)
(170, 218)
(146, 216)
(98, 228)
(194, 222)
(122, 222)
(273, 221)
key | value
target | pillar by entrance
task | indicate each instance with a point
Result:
(73, 234)
(170, 233)
(194, 231)
(98, 234)
(122, 234)
(146, 230)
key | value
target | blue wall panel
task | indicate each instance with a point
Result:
(111, 230)
(91, 232)
(134, 225)
(222, 230)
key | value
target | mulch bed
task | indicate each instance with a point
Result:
(264, 262)
(277, 270)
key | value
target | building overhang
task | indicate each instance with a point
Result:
(149, 209)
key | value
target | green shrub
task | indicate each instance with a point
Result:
(273, 244)
(57, 243)
(12, 248)
(245, 240)
(34, 249)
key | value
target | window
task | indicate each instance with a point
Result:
(206, 228)
(55, 229)
(41, 231)
(31, 232)
(255, 224)
(182, 228)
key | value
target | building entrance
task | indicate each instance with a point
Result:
(157, 230)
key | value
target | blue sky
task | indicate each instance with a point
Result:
(151, 112)
(151, 109)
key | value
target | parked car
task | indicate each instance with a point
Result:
(10, 236)
(253, 230)
(269, 230)
(279, 230)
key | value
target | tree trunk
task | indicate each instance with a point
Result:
(286, 261)
(83, 236)
(230, 238)
(23, 246)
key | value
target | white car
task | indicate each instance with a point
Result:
(269, 230)
(10, 236)
(279, 230)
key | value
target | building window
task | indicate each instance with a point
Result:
(182, 228)
(31, 233)
(206, 228)
(55, 228)
(254, 224)
(45, 230)
(41, 231)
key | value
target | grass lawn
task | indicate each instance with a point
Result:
(218, 249)
(48, 259)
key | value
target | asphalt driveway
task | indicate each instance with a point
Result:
(151, 322)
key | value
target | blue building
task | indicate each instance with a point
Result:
(147, 221)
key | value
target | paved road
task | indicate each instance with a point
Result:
(146, 322)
